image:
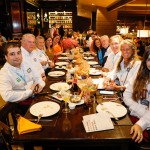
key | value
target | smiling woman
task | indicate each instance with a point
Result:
(127, 67)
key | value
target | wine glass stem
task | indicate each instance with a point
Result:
(65, 105)
(89, 110)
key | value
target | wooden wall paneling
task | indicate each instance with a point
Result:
(16, 17)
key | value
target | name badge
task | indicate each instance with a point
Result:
(18, 79)
(29, 70)
(35, 59)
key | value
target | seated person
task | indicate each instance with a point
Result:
(113, 56)
(57, 46)
(69, 43)
(127, 67)
(99, 52)
(16, 83)
(41, 55)
(137, 98)
(30, 57)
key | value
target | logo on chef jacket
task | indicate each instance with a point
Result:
(40, 55)
(35, 59)
(18, 79)
(29, 70)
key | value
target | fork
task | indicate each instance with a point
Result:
(39, 117)
(105, 109)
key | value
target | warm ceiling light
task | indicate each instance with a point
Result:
(143, 33)
(124, 30)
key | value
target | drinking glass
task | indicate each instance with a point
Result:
(66, 97)
(66, 126)
(89, 100)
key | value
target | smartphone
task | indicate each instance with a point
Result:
(36, 88)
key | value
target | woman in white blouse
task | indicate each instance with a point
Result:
(137, 98)
(127, 67)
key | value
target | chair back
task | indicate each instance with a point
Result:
(8, 123)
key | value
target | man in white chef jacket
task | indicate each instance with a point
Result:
(30, 57)
(17, 83)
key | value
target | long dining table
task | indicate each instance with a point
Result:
(66, 130)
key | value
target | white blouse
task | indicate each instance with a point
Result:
(137, 108)
(126, 74)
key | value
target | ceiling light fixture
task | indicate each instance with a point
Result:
(144, 33)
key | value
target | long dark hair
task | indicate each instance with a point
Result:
(94, 45)
(143, 77)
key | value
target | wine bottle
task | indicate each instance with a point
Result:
(75, 86)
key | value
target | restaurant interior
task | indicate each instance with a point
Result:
(71, 125)
(105, 17)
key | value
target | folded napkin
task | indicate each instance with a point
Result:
(26, 126)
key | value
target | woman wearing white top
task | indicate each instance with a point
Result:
(43, 58)
(127, 67)
(137, 98)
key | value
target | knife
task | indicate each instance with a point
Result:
(35, 120)
(43, 93)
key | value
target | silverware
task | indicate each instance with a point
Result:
(43, 93)
(35, 120)
(105, 109)
(39, 117)
(53, 99)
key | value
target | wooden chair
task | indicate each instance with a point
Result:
(144, 146)
(7, 123)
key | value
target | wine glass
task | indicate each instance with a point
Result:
(69, 79)
(89, 100)
(66, 126)
(66, 96)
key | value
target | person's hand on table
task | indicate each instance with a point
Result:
(43, 63)
(137, 132)
(51, 64)
(110, 85)
(36, 88)
(105, 70)
(43, 76)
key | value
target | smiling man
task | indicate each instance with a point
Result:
(29, 56)
(16, 82)
(113, 56)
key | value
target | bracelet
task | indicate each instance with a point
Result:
(121, 89)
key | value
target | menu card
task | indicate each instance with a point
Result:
(97, 122)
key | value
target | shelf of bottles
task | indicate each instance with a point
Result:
(31, 18)
(61, 18)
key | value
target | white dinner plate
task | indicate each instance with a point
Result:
(64, 54)
(56, 73)
(57, 95)
(92, 62)
(60, 67)
(63, 58)
(89, 58)
(61, 63)
(116, 109)
(79, 103)
(95, 72)
(59, 86)
(46, 108)
(87, 53)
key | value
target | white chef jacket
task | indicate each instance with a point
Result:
(15, 83)
(125, 74)
(32, 62)
(42, 57)
(136, 108)
(112, 60)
